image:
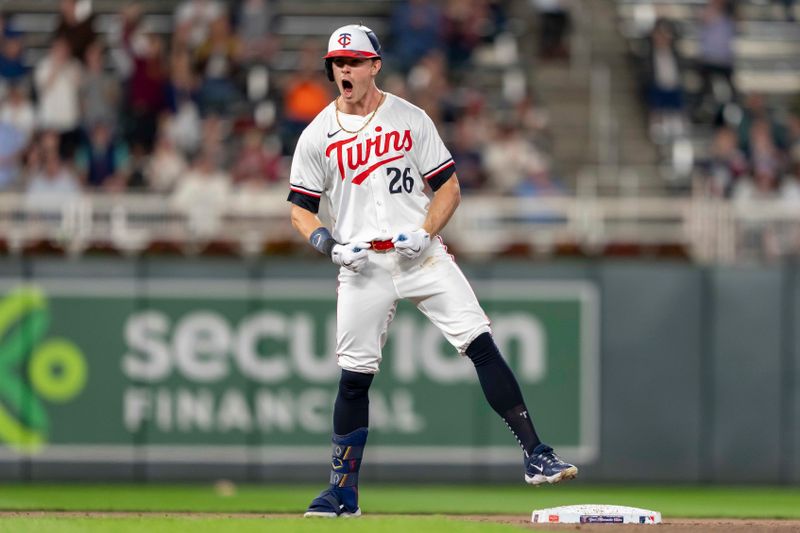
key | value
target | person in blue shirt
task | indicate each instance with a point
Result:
(12, 69)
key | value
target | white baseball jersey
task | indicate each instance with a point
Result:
(374, 180)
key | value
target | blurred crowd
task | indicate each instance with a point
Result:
(753, 141)
(208, 108)
(202, 112)
(136, 110)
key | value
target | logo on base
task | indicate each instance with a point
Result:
(601, 519)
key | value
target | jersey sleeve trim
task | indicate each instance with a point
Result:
(303, 190)
(438, 176)
(304, 200)
(430, 174)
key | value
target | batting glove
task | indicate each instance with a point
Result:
(411, 244)
(351, 256)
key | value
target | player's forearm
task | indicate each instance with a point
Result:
(444, 204)
(304, 221)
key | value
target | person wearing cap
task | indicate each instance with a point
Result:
(390, 186)
(12, 66)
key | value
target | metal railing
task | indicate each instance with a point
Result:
(708, 231)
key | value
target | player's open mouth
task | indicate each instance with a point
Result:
(347, 87)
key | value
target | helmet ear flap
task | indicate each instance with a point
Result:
(329, 69)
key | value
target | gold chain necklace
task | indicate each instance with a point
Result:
(359, 130)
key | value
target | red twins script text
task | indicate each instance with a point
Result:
(357, 155)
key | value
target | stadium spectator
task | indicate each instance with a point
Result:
(57, 78)
(258, 164)
(214, 141)
(135, 177)
(100, 90)
(103, 159)
(218, 60)
(465, 147)
(255, 20)
(538, 180)
(464, 25)
(147, 91)
(662, 79)
(429, 75)
(726, 166)
(754, 110)
(12, 65)
(475, 121)
(760, 235)
(165, 166)
(193, 19)
(554, 23)
(716, 58)
(305, 93)
(766, 159)
(395, 83)
(204, 183)
(497, 21)
(12, 144)
(50, 182)
(183, 125)
(202, 195)
(48, 142)
(510, 157)
(17, 110)
(762, 186)
(129, 33)
(76, 26)
(416, 29)
(429, 85)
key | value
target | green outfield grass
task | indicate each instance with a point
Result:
(671, 501)
(246, 525)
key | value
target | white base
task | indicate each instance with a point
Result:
(595, 514)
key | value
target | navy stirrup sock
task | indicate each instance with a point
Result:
(502, 390)
(341, 496)
(348, 451)
(350, 421)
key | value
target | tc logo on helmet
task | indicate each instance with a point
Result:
(344, 39)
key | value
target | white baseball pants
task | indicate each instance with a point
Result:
(367, 302)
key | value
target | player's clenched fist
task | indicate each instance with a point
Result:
(410, 244)
(351, 256)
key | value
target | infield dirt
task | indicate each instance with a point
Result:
(687, 525)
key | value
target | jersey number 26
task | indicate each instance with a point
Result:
(396, 175)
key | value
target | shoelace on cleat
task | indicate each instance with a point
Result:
(551, 458)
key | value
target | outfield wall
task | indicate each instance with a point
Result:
(148, 369)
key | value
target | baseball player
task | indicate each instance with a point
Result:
(372, 156)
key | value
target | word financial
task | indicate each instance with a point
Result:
(263, 410)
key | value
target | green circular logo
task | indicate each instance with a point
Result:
(58, 370)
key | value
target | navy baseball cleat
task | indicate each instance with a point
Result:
(329, 505)
(544, 466)
(341, 496)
